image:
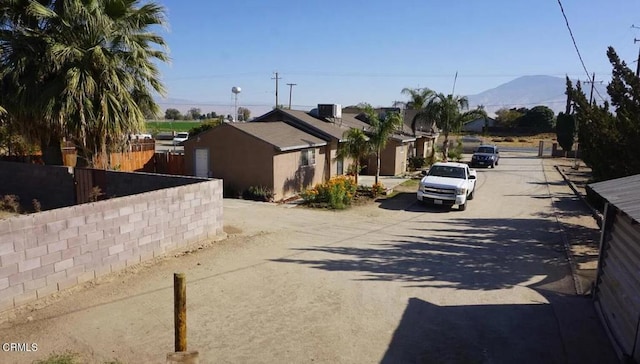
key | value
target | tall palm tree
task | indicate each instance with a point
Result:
(380, 131)
(356, 146)
(418, 99)
(95, 73)
(449, 115)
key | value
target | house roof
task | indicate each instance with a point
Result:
(622, 193)
(280, 134)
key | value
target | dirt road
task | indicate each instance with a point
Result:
(392, 282)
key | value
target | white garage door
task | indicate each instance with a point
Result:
(202, 162)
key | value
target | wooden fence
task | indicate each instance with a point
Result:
(141, 157)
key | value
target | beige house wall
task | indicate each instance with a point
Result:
(393, 159)
(290, 177)
(239, 159)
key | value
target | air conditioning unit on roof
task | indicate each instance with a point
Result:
(330, 111)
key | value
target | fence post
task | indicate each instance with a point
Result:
(181, 354)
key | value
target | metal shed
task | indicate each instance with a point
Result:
(617, 290)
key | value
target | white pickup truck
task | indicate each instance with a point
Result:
(448, 184)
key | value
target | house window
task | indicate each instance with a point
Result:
(308, 157)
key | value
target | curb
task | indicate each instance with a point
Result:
(595, 213)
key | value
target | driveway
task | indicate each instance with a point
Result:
(392, 282)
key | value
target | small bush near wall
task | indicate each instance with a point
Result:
(258, 193)
(337, 193)
(416, 163)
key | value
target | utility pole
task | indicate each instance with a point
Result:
(276, 78)
(290, 91)
(592, 81)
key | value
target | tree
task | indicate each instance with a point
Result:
(194, 113)
(382, 126)
(447, 112)
(565, 131)
(355, 146)
(84, 70)
(539, 117)
(243, 113)
(610, 142)
(418, 99)
(508, 117)
(172, 114)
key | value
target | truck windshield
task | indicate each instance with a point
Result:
(444, 171)
(485, 150)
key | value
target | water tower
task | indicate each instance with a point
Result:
(236, 90)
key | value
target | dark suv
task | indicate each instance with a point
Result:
(486, 155)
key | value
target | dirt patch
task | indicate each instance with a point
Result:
(232, 230)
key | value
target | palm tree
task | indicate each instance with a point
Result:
(380, 131)
(356, 146)
(94, 69)
(447, 111)
(418, 99)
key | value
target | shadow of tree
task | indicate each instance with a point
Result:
(301, 179)
(482, 254)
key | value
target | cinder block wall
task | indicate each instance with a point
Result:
(52, 186)
(52, 250)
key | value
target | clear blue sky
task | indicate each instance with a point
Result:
(353, 51)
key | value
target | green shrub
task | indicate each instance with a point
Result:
(455, 153)
(416, 163)
(337, 193)
(258, 193)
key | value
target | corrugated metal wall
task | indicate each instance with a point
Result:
(618, 287)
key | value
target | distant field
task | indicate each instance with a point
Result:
(154, 127)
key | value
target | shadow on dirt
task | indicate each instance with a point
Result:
(482, 254)
(565, 331)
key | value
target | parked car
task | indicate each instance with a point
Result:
(486, 155)
(448, 184)
(180, 138)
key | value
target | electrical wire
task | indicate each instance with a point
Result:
(573, 39)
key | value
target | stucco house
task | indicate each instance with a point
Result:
(273, 155)
(478, 125)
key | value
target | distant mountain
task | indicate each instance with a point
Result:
(529, 91)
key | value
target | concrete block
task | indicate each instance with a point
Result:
(68, 233)
(111, 231)
(93, 218)
(127, 210)
(4, 283)
(56, 226)
(110, 214)
(35, 284)
(12, 258)
(67, 283)
(57, 246)
(127, 228)
(6, 271)
(189, 196)
(6, 245)
(102, 270)
(116, 249)
(63, 265)
(146, 255)
(20, 277)
(75, 271)
(135, 217)
(82, 259)
(100, 254)
(43, 271)
(29, 264)
(24, 298)
(107, 242)
(86, 276)
(21, 222)
(47, 290)
(76, 221)
(54, 278)
(45, 238)
(108, 260)
(142, 206)
(87, 229)
(77, 241)
(36, 252)
(149, 230)
(118, 266)
(12, 290)
(51, 258)
(70, 252)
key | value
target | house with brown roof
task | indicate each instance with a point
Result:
(273, 155)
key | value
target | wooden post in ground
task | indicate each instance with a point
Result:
(180, 311)
(180, 324)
